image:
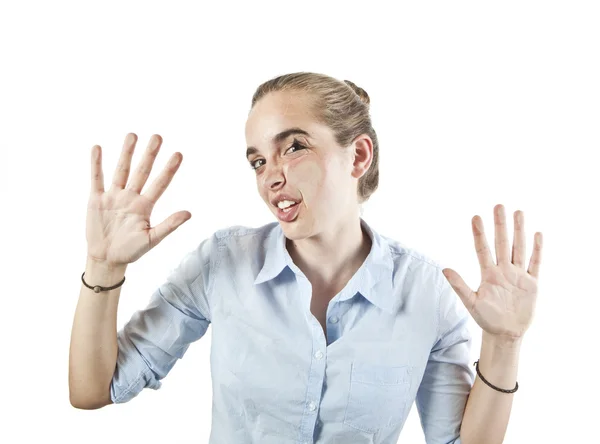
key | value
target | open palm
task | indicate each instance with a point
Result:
(504, 303)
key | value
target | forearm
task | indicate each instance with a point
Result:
(93, 349)
(487, 412)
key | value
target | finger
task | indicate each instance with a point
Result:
(160, 184)
(501, 240)
(518, 249)
(481, 246)
(97, 175)
(145, 167)
(536, 256)
(166, 227)
(461, 288)
(124, 164)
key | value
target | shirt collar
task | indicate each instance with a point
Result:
(373, 279)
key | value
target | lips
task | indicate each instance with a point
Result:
(281, 197)
(290, 215)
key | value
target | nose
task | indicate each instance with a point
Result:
(273, 177)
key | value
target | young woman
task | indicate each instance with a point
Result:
(323, 329)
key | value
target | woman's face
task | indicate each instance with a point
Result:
(295, 156)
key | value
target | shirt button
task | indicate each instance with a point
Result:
(334, 320)
(312, 406)
(319, 354)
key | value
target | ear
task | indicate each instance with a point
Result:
(362, 148)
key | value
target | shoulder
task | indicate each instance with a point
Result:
(228, 240)
(241, 233)
(419, 278)
(414, 265)
(237, 237)
(223, 249)
(242, 243)
(403, 253)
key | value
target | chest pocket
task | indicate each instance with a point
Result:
(378, 396)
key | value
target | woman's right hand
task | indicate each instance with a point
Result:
(118, 227)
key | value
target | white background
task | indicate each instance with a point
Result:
(475, 104)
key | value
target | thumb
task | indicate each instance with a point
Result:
(166, 227)
(461, 288)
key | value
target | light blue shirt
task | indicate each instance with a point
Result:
(396, 334)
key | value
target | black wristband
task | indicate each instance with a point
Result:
(98, 288)
(476, 363)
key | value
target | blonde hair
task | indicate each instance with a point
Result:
(342, 106)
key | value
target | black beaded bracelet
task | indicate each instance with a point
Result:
(98, 288)
(476, 363)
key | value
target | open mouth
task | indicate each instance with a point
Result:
(289, 208)
(289, 213)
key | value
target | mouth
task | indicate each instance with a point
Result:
(290, 213)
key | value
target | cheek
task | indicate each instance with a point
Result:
(305, 175)
(311, 173)
(316, 185)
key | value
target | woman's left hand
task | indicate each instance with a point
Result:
(504, 303)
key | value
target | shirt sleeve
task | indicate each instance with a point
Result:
(178, 314)
(442, 395)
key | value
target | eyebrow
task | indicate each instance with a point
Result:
(278, 138)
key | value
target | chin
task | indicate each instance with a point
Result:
(298, 229)
(292, 233)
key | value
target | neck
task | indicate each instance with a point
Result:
(332, 256)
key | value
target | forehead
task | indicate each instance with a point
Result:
(276, 112)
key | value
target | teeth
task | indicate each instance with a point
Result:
(285, 203)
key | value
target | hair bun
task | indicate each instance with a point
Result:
(359, 91)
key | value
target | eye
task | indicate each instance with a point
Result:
(297, 145)
(253, 164)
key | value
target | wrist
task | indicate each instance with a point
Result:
(103, 274)
(501, 342)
